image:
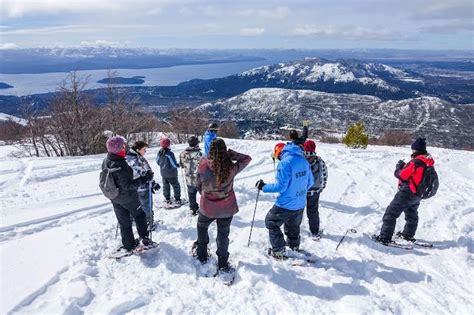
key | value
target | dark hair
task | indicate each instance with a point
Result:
(138, 145)
(293, 135)
(222, 162)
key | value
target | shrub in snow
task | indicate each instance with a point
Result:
(356, 137)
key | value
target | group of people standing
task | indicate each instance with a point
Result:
(300, 178)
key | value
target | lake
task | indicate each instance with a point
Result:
(26, 84)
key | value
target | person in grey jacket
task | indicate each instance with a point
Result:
(189, 160)
(169, 173)
(142, 170)
(320, 174)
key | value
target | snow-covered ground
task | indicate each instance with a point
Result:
(56, 229)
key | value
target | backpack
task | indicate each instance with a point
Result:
(428, 186)
(107, 183)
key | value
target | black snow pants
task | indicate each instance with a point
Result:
(406, 202)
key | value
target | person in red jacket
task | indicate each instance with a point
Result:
(215, 182)
(406, 200)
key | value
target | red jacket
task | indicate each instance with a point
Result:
(411, 175)
(218, 200)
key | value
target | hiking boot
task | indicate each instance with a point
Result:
(228, 268)
(147, 242)
(380, 239)
(194, 251)
(195, 212)
(406, 238)
(280, 254)
(178, 202)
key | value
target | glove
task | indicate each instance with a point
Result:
(155, 187)
(259, 185)
(400, 165)
(149, 176)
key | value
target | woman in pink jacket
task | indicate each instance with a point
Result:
(215, 182)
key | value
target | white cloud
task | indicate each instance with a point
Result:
(347, 32)
(275, 13)
(251, 31)
(49, 30)
(8, 46)
(101, 43)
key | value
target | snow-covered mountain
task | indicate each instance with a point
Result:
(268, 108)
(6, 118)
(315, 70)
(57, 229)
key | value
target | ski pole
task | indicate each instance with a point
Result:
(253, 219)
(150, 204)
(347, 231)
(116, 231)
(185, 188)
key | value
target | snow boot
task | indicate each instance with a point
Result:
(406, 238)
(380, 239)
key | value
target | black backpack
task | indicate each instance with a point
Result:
(107, 182)
(428, 186)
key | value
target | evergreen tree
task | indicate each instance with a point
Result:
(356, 137)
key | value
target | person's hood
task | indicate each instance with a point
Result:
(291, 149)
(427, 159)
(132, 152)
(114, 157)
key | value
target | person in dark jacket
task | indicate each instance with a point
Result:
(320, 175)
(189, 160)
(126, 204)
(294, 178)
(142, 171)
(209, 135)
(169, 173)
(406, 200)
(216, 184)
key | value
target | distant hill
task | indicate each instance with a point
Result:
(5, 86)
(121, 80)
(267, 109)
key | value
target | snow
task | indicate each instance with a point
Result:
(330, 71)
(6, 117)
(57, 228)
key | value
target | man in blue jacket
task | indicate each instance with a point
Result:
(209, 135)
(294, 178)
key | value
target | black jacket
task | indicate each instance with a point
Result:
(122, 178)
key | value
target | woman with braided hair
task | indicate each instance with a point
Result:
(215, 182)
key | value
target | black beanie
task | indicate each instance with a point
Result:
(193, 141)
(419, 145)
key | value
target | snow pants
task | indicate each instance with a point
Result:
(123, 211)
(291, 220)
(174, 182)
(312, 211)
(223, 229)
(406, 202)
(192, 192)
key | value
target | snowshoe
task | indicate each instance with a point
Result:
(401, 236)
(390, 243)
(411, 240)
(226, 275)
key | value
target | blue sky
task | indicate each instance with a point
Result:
(414, 24)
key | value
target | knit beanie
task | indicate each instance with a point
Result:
(165, 143)
(193, 141)
(419, 145)
(309, 148)
(114, 144)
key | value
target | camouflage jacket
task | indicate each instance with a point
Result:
(189, 160)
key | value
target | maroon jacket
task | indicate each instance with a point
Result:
(218, 201)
